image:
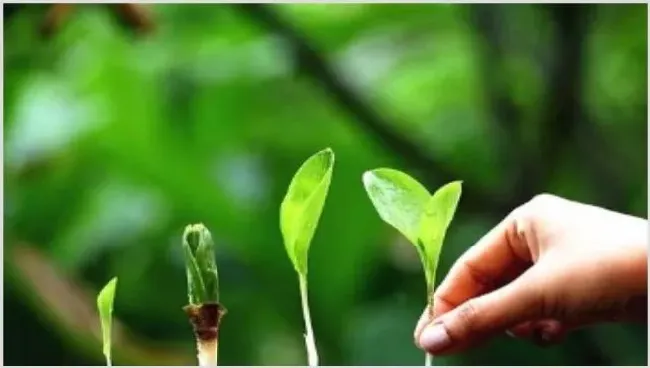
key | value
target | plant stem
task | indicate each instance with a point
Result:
(428, 360)
(312, 354)
(205, 320)
(208, 352)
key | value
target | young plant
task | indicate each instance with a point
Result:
(203, 309)
(300, 212)
(422, 218)
(105, 306)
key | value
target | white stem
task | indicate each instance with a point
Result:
(207, 353)
(428, 360)
(312, 354)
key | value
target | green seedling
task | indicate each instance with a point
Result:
(300, 212)
(422, 218)
(105, 300)
(203, 310)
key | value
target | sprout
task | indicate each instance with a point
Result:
(105, 306)
(203, 309)
(300, 212)
(422, 218)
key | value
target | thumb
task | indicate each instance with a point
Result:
(483, 316)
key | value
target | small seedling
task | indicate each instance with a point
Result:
(422, 218)
(300, 212)
(203, 309)
(105, 306)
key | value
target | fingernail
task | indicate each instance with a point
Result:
(434, 338)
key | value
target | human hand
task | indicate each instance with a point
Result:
(552, 265)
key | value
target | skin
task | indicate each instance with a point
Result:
(552, 265)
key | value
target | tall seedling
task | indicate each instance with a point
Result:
(422, 218)
(300, 212)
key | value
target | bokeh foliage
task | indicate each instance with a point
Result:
(115, 140)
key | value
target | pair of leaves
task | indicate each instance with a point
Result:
(422, 218)
(105, 306)
(303, 205)
(200, 265)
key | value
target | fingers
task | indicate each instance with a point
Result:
(483, 316)
(498, 257)
(470, 304)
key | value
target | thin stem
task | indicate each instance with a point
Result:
(428, 360)
(208, 352)
(312, 354)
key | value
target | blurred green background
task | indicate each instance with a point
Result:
(122, 125)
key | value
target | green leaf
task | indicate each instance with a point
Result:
(435, 220)
(303, 204)
(105, 307)
(206, 261)
(398, 198)
(422, 218)
(200, 265)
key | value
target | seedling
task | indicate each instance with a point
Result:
(399, 199)
(422, 218)
(203, 309)
(105, 306)
(300, 212)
